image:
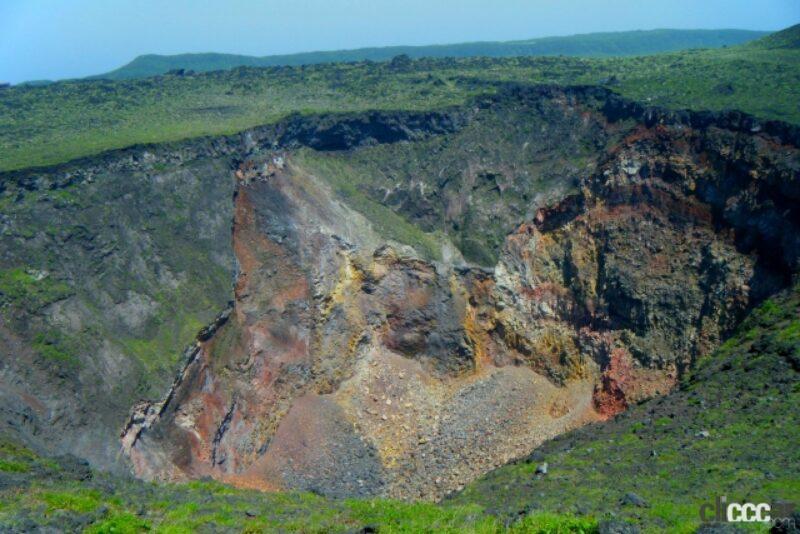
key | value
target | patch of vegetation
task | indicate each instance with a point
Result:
(730, 430)
(348, 182)
(788, 38)
(10, 466)
(41, 125)
(57, 347)
(30, 289)
(67, 496)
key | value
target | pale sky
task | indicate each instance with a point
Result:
(53, 39)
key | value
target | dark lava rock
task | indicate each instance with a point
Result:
(74, 468)
(725, 89)
(613, 526)
(790, 525)
(719, 528)
(633, 500)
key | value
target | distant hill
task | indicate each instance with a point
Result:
(788, 38)
(609, 44)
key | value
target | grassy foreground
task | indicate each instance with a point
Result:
(64, 494)
(41, 125)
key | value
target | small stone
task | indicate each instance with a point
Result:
(634, 500)
(541, 469)
(703, 434)
(384, 417)
(388, 402)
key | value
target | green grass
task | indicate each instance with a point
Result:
(54, 123)
(119, 523)
(57, 347)
(11, 466)
(50, 494)
(29, 289)
(80, 500)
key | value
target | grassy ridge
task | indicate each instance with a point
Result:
(58, 122)
(631, 43)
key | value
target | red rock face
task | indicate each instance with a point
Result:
(351, 366)
(622, 383)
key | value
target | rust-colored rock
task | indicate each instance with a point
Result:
(353, 366)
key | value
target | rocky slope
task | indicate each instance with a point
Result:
(110, 265)
(105, 275)
(369, 351)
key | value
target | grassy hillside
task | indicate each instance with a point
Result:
(788, 38)
(631, 43)
(58, 122)
(731, 430)
(42, 494)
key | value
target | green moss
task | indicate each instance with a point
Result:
(767, 313)
(10, 448)
(398, 517)
(160, 352)
(13, 467)
(80, 500)
(29, 289)
(56, 347)
(120, 523)
(547, 523)
(791, 333)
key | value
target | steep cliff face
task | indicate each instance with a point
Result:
(104, 279)
(365, 355)
(109, 266)
(348, 365)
